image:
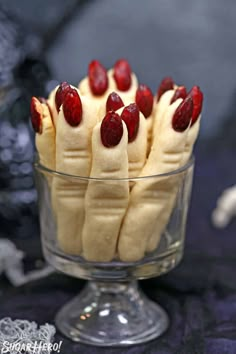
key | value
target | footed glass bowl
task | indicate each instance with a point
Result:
(111, 310)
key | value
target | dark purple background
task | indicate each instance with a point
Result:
(193, 41)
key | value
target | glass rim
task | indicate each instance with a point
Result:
(39, 167)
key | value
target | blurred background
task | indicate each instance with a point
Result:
(43, 42)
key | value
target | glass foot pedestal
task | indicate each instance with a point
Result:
(111, 314)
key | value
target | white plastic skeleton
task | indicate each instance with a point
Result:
(11, 264)
(22, 332)
(225, 208)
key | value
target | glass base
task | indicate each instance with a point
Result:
(153, 265)
(111, 314)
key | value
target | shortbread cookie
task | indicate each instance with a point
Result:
(137, 138)
(106, 201)
(45, 133)
(148, 196)
(144, 100)
(164, 217)
(76, 119)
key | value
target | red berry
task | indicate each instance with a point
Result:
(72, 108)
(144, 100)
(179, 93)
(114, 102)
(60, 94)
(183, 115)
(98, 80)
(122, 75)
(36, 114)
(111, 129)
(130, 116)
(197, 97)
(166, 84)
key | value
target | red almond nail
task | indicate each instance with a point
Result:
(179, 93)
(130, 116)
(122, 75)
(197, 97)
(166, 84)
(144, 100)
(114, 102)
(60, 94)
(183, 115)
(72, 108)
(98, 80)
(36, 114)
(111, 129)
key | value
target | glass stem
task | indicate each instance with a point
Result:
(101, 288)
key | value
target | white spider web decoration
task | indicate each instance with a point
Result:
(25, 333)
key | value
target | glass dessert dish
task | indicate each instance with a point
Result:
(111, 310)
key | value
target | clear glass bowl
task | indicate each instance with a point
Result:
(111, 310)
